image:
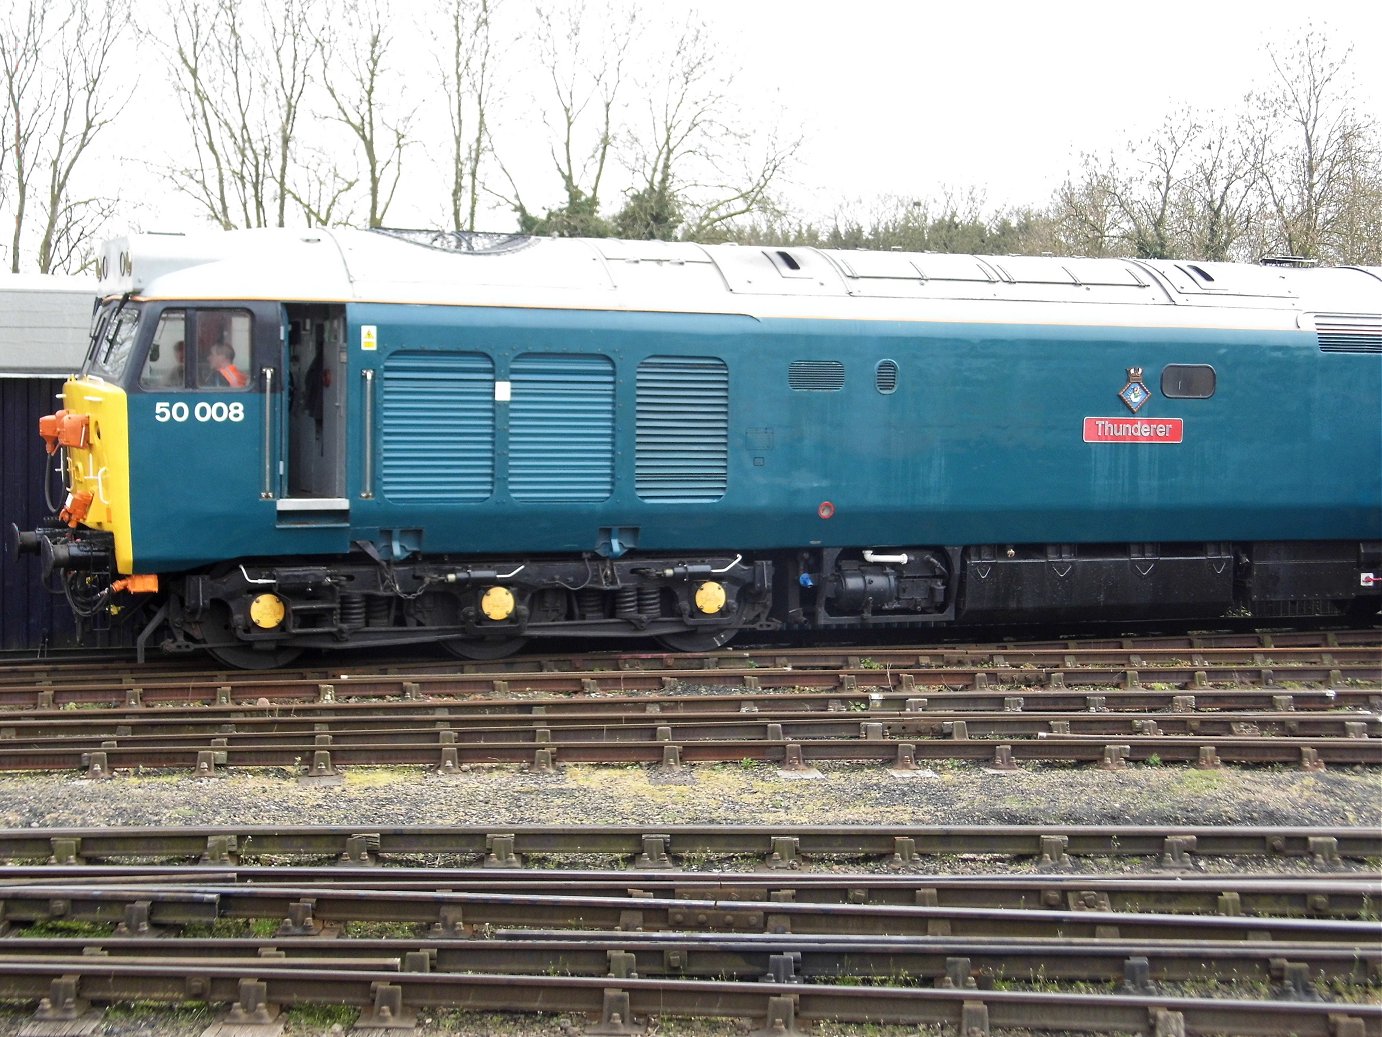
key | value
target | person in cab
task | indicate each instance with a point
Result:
(224, 373)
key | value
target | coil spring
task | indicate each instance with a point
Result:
(626, 602)
(591, 602)
(649, 602)
(380, 611)
(352, 610)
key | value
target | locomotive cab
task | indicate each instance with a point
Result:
(193, 433)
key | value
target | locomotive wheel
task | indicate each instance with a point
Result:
(247, 657)
(483, 651)
(698, 640)
(233, 652)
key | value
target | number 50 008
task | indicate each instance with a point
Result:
(203, 410)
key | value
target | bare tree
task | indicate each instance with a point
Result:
(1085, 213)
(356, 51)
(1149, 201)
(749, 193)
(242, 77)
(57, 101)
(1357, 233)
(466, 63)
(1223, 188)
(697, 166)
(83, 107)
(1311, 143)
(320, 189)
(1140, 204)
(587, 67)
(24, 37)
(1186, 190)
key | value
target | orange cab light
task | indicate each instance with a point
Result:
(78, 504)
(140, 583)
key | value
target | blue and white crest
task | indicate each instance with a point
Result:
(1135, 393)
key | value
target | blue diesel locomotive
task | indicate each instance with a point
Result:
(283, 440)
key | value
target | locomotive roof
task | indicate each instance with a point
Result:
(515, 270)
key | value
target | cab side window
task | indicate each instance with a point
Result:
(166, 367)
(218, 358)
(223, 348)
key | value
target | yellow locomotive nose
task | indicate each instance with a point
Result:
(93, 429)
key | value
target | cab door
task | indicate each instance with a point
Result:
(311, 476)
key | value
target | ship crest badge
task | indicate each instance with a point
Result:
(1135, 393)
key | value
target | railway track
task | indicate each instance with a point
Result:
(97, 666)
(390, 998)
(1185, 702)
(949, 665)
(781, 948)
(1264, 930)
(662, 845)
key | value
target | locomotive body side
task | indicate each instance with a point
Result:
(719, 439)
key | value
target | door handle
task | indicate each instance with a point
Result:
(266, 492)
(367, 477)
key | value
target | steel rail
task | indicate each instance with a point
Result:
(781, 847)
(1300, 894)
(310, 907)
(556, 692)
(395, 996)
(752, 956)
(382, 721)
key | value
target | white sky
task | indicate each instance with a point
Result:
(894, 97)
(905, 97)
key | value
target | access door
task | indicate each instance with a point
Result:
(312, 475)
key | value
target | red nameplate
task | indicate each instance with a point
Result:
(1133, 430)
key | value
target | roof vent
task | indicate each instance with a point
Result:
(1295, 261)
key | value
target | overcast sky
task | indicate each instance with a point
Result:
(901, 96)
(896, 97)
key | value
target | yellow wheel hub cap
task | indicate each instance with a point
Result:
(710, 598)
(497, 603)
(267, 611)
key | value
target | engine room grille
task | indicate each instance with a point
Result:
(436, 427)
(1354, 333)
(818, 375)
(682, 429)
(561, 427)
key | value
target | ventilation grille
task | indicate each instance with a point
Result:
(816, 375)
(1349, 333)
(681, 451)
(561, 427)
(885, 376)
(436, 427)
